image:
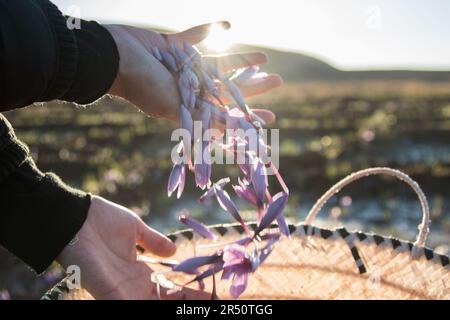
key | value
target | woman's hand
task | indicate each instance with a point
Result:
(146, 83)
(106, 254)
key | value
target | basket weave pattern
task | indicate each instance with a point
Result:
(318, 263)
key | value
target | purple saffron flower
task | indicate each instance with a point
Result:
(246, 192)
(235, 93)
(247, 127)
(186, 123)
(205, 115)
(156, 53)
(190, 51)
(211, 191)
(181, 56)
(228, 205)
(262, 148)
(197, 226)
(246, 167)
(274, 210)
(240, 282)
(186, 119)
(184, 90)
(258, 175)
(244, 74)
(233, 254)
(192, 99)
(284, 228)
(210, 85)
(192, 79)
(236, 265)
(168, 60)
(177, 179)
(192, 264)
(202, 164)
(209, 272)
(234, 117)
(198, 87)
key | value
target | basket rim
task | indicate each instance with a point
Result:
(302, 230)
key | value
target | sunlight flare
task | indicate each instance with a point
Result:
(218, 40)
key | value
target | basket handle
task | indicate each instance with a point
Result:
(423, 226)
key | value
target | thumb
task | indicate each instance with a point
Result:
(199, 33)
(154, 241)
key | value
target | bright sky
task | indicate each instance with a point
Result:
(351, 34)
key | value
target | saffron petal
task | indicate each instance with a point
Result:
(284, 228)
(233, 254)
(239, 285)
(258, 175)
(246, 192)
(197, 226)
(156, 53)
(211, 191)
(244, 74)
(228, 205)
(274, 209)
(203, 164)
(181, 56)
(186, 121)
(168, 60)
(182, 180)
(217, 268)
(209, 84)
(235, 93)
(191, 264)
(190, 51)
(174, 179)
(184, 91)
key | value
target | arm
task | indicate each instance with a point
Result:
(41, 60)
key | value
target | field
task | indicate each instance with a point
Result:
(328, 130)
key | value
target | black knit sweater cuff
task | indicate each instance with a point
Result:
(40, 215)
(97, 66)
(66, 52)
(87, 59)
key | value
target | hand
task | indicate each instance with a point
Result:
(146, 83)
(106, 254)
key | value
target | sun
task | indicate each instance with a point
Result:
(218, 39)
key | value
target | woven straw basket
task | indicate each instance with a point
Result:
(318, 263)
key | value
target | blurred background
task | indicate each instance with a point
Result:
(366, 84)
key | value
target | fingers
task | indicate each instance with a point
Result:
(227, 62)
(261, 85)
(253, 87)
(267, 115)
(198, 33)
(154, 241)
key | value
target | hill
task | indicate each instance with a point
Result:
(299, 67)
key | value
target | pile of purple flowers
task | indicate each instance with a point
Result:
(200, 93)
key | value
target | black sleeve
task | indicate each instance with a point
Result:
(39, 214)
(42, 59)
